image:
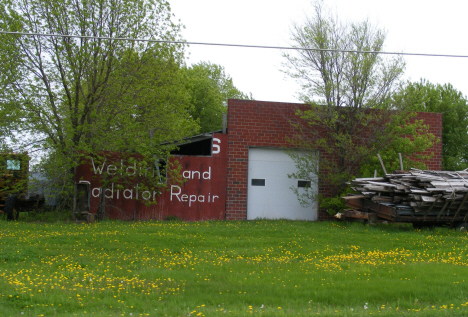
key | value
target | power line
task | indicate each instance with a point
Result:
(233, 45)
(453, 109)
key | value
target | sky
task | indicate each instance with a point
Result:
(412, 26)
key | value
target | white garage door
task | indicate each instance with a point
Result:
(269, 188)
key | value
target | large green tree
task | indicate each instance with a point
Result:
(445, 99)
(210, 87)
(78, 95)
(347, 93)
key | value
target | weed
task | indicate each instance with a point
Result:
(237, 268)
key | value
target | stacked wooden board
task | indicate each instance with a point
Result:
(431, 195)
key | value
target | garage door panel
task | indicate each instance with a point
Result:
(278, 168)
(264, 156)
(275, 199)
(276, 184)
(275, 211)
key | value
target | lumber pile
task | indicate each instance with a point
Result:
(417, 192)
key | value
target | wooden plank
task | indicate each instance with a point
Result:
(353, 197)
(355, 214)
(432, 206)
(377, 179)
(434, 194)
(419, 191)
(382, 164)
(428, 198)
(455, 183)
(401, 161)
(448, 189)
(453, 197)
(414, 197)
(382, 198)
(442, 210)
(382, 184)
(377, 188)
(459, 208)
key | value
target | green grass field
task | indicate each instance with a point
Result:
(268, 268)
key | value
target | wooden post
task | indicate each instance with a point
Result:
(432, 207)
(401, 162)
(74, 200)
(382, 164)
(442, 210)
(224, 123)
(461, 205)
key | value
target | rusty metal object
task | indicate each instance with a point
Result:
(202, 195)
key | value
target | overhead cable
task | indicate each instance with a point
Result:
(233, 45)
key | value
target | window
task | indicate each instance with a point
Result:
(258, 182)
(13, 165)
(303, 184)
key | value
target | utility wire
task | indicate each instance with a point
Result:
(453, 109)
(233, 45)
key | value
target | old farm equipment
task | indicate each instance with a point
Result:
(423, 198)
(14, 179)
(13, 183)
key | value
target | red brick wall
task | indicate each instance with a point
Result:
(267, 124)
(434, 120)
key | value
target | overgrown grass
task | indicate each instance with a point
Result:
(45, 215)
(268, 268)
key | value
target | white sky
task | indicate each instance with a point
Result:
(413, 26)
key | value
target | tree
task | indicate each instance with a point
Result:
(68, 95)
(347, 92)
(425, 96)
(210, 88)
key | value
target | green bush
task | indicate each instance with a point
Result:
(334, 205)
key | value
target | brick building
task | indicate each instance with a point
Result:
(254, 125)
(235, 176)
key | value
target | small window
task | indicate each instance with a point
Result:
(13, 165)
(258, 182)
(303, 184)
